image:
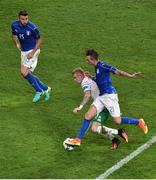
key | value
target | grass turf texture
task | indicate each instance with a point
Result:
(123, 31)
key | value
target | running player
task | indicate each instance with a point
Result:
(27, 39)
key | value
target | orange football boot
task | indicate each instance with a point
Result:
(142, 125)
(74, 142)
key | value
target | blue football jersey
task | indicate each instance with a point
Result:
(103, 78)
(27, 35)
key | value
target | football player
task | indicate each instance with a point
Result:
(27, 39)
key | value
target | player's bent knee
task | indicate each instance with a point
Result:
(88, 116)
(94, 129)
(117, 120)
(24, 71)
(91, 113)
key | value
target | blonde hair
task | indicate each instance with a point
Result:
(78, 70)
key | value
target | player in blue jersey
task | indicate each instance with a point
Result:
(107, 98)
(27, 39)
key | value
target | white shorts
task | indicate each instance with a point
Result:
(109, 101)
(30, 63)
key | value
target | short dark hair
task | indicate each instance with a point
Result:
(22, 13)
(93, 53)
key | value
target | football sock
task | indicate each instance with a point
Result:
(110, 130)
(84, 128)
(42, 86)
(105, 130)
(109, 136)
(32, 80)
(126, 120)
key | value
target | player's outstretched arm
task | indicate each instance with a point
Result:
(86, 98)
(126, 74)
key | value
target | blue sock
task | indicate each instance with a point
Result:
(126, 120)
(32, 80)
(84, 128)
(42, 86)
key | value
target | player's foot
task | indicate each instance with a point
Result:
(115, 143)
(47, 93)
(143, 126)
(37, 97)
(122, 133)
(74, 142)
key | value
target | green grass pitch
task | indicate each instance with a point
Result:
(31, 135)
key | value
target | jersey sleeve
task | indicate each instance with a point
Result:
(36, 33)
(107, 67)
(13, 30)
(86, 86)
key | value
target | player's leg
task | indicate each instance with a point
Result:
(99, 121)
(27, 67)
(32, 81)
(115, 141)
(113, 107)
(85, 125)
(106, 130)
(43, 86)
(102, 130)
(126, 120)
(46, 89)
(30, 78)
(95, 108)
(98, 126)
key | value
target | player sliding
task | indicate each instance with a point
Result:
(27, 39)
(107, 98)
(91, 90)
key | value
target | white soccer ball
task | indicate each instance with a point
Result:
(68, 147)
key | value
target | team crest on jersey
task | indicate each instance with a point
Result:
(97, 71)
(28, 33)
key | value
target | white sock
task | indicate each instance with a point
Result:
(110, 130)
(98, 130)
(107, 134)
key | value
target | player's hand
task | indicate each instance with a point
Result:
(137, 74)
(30, 55)
(76, 110)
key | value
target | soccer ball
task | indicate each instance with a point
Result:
(68, 147)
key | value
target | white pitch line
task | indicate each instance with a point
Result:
(127, 158)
